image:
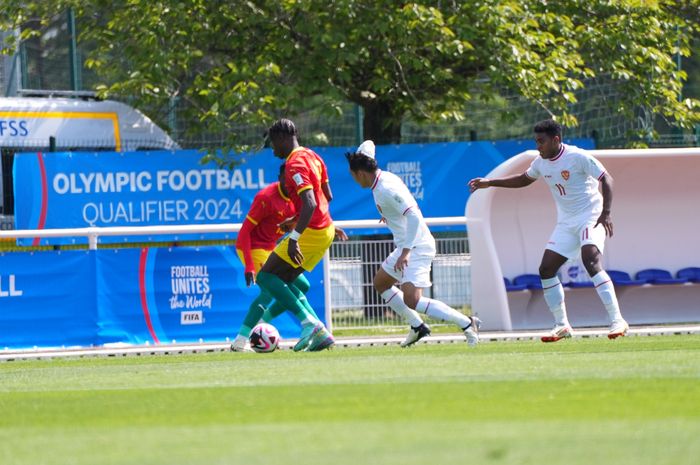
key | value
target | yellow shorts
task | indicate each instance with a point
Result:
(313, 244)
(259, 257)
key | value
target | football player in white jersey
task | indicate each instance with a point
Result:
(409, 264)
(583, 221)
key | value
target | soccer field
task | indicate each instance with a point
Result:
(635, 400)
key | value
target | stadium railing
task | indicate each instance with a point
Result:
(348, 268)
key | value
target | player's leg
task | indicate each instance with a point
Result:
(553, 293)
(276, 309)
(256, 308)
(255, 313)
(593, 240)
(439, 310)
(393, 296)
(280, 270)
(314, 244)
(416, 277)
(272, 278)
(300, 286)
(562, 245)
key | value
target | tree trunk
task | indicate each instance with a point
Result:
(381, 123)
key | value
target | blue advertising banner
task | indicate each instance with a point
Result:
(71, 190)
(133, 296)
(181, 294)
(48, 299)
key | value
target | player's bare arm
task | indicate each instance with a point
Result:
(288, 224)
(515, 181)
(606, 187)
(243, 244)
(402, 261)
(327, 191)
(308, 206)
(340, 234)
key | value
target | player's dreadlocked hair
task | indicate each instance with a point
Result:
(281, 173)
(549, 127)
(283, 127)
(361, 162)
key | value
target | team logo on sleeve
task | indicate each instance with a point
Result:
(565, 174)
(297, 179)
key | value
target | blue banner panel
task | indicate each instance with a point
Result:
(48, 299)
(160, 295)
(436, 174)
(72, 190)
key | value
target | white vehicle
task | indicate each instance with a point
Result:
(68, 124)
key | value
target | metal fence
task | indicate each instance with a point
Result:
(350, 299)
(355, 304)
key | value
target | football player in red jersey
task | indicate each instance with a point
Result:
(306, 180)
(270, 216)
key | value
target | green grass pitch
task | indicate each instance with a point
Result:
(584, 401)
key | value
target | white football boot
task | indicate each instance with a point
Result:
(472, 331)
(558, 333)
(241, 344)
(618, 328)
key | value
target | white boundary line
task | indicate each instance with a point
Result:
(343, 342)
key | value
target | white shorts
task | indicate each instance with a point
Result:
(418, 270)
(567, 239)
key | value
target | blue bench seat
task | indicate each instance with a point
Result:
(513, 287)
(659, 276)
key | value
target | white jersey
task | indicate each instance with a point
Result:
(394, 200)
(572, 176)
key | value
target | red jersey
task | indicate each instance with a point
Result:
(304, 170)
(270, 208)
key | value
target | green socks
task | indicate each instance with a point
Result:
(287, 296)
(255, 312)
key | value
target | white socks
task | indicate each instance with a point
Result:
(554, 296)
(394, 299)
(606, 291)
(436, 309)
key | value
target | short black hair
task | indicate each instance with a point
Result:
(361, 162)
(283, 127)
(549, 127)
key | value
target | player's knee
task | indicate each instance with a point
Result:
(593, 265)
(410, 300)
(592, 261)
(547, 271)
(380, 285)
(382, 282)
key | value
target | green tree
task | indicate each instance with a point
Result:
(252, 61)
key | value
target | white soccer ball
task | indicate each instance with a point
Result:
(264, 338)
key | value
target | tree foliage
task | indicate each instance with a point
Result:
(252, 61)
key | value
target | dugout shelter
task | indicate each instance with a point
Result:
(656, 217)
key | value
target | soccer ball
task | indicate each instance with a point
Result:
(264, 338)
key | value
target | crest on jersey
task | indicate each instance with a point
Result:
(565, 174)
